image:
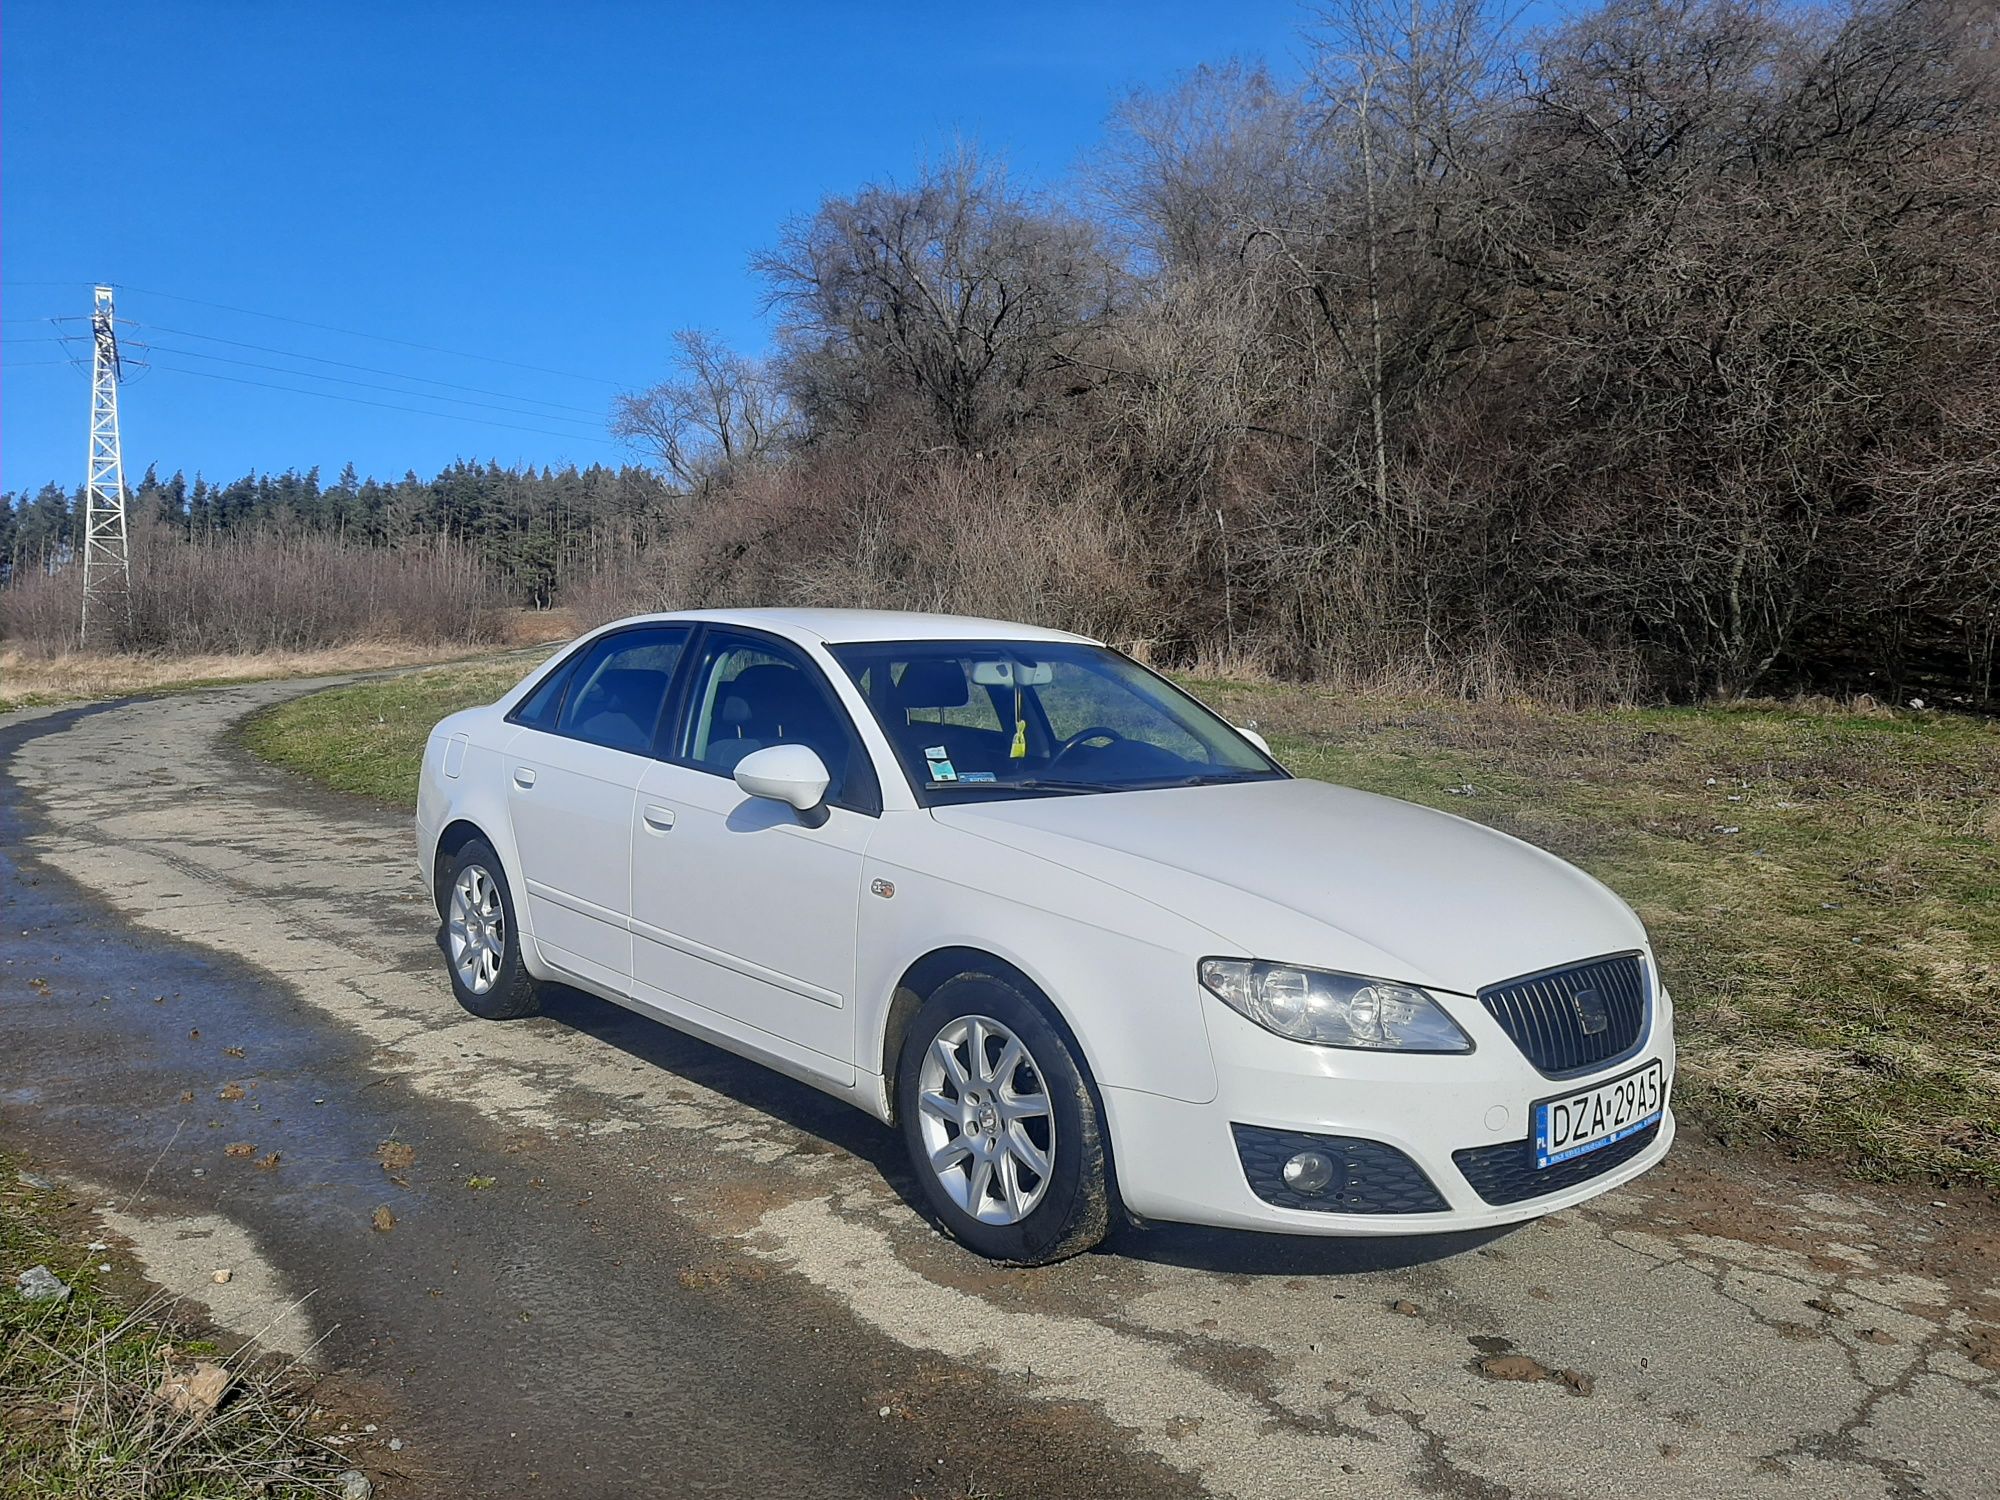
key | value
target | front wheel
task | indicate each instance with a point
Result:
(481, 940)
(1001, 1124)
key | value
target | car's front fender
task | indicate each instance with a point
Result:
(1117, 969)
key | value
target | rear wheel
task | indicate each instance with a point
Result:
(481, 941)
(1001, 1124)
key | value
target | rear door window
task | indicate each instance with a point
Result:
(619, 686)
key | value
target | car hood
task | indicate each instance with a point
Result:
(1306, 872)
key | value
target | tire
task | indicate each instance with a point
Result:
(1024, 1217)
(485, 966)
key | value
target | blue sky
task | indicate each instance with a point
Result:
(560, 186)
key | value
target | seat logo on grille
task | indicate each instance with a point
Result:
(1591, 1012)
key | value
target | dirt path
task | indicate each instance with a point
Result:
(684, 1274)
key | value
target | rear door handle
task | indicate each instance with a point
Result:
(659, 819)
(524, 777)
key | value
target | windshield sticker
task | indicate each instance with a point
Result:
(977, 776)
(941, 770)
(937, 752)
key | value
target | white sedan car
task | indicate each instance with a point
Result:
(1090, 948)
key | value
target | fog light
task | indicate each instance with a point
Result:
(1309, 1172)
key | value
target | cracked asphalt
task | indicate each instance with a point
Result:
(624, 1261)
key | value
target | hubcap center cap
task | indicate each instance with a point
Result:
(987, 1118)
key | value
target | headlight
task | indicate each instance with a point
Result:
(1333, 1010)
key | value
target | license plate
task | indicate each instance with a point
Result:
(1573, 1125)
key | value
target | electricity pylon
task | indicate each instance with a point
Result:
(107, 558)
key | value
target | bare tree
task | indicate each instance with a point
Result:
(957, 290)
(716, 412)
(1188, 172)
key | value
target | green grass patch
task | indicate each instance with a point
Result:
(81, 1414)
(1823, 889)
(368, 739)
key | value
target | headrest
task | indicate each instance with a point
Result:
(630, 685)
(934, 684)
(766, 684)
(771, 696)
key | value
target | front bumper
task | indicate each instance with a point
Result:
(1450, 1118)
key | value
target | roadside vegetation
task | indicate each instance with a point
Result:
(260, 592)
(80, 677)
(368, 739)
(103, 1398)
(1644, 356)
(34, 679)
(1823, 885)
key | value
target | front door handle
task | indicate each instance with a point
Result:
(659, 819)
(524, 777)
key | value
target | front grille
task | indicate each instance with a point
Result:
(1546, 1014)
(1506, 1174)
(1369, 1177)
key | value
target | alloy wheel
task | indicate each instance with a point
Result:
(477, 927)
(988, 1127)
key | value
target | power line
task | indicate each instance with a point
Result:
(417, 411)
(366, 385)
(341, 364)
(378, 337)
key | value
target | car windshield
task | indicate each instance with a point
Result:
(972, 719)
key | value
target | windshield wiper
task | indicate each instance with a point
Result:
(1031, 784)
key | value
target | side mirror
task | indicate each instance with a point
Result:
(792, 774)
(1255, 738)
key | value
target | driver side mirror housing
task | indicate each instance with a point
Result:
(792, 774)
(1255, 738)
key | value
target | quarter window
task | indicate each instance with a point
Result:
(538, 709)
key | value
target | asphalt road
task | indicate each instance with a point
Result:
(623, 1262)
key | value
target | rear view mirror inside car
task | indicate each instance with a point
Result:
(1010, 674)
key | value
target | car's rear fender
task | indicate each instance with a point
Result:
(472, 802)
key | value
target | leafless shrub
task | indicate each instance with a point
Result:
(41, 610)
(267, 593)
(949, 534)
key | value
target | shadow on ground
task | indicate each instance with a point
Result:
(805, 1109)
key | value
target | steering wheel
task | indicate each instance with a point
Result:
(1083, 736)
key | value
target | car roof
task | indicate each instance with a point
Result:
(839, 626)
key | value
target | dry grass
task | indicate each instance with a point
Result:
(31, 680)
(80, 676)
(85, 1406)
